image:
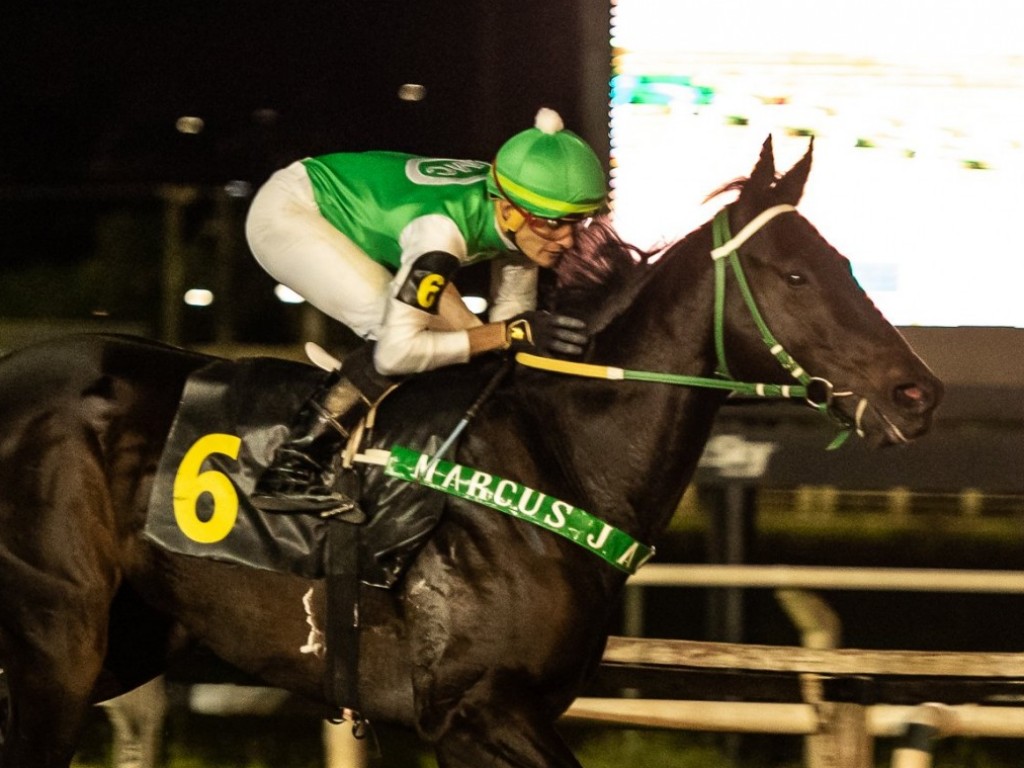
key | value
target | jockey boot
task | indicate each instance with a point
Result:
(304, 473)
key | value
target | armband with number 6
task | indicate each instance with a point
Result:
(427, 278)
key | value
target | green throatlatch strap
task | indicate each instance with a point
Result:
(611, 544)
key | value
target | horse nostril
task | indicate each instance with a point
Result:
(914, 397)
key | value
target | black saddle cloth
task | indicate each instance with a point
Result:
(249, 404)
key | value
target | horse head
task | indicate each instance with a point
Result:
(655, 310)
(862, 369)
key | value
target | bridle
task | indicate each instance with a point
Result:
(817, 392)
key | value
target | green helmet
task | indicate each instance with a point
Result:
(548, 171)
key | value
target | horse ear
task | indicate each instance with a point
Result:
(763, 175)
(790, 188)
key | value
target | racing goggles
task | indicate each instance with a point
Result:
(549, 229)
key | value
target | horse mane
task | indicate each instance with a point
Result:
(599, 258)
(597, 265)
(600, 264)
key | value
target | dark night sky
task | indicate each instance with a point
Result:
(91, 90)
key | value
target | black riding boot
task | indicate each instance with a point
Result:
(304, 470)
(304, 474)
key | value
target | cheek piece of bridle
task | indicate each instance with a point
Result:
(817, 392)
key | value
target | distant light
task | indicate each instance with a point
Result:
(412, 92)
(198, 297)
(287, 295)
(265, 116)
(100, 313)
(238, 188)
(477, 304)
(189, 124)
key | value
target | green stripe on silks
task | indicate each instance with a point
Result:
(596, 536)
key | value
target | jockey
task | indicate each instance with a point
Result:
(373, 240)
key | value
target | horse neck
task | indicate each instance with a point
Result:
(667, 321)
(632, 447)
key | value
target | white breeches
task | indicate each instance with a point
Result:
(299, 248)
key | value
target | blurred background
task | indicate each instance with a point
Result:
(132, 137)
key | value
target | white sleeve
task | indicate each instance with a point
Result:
(432, 232)
(513, 287)
(411, 340)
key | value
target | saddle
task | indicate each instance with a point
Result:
(232, 417)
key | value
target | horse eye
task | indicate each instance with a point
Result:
(795, 278)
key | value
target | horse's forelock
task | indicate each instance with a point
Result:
(736, 185)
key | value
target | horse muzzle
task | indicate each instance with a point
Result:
(897, 416)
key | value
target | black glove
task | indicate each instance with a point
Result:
(546, 334)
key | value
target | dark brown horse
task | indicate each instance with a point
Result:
(497, 624)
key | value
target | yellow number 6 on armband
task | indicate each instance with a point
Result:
(190, 483)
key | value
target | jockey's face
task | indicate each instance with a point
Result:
(542, 241)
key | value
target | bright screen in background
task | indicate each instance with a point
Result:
(917, 108)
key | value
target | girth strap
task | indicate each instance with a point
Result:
(341, 681)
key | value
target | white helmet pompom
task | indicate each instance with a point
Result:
(548, 121)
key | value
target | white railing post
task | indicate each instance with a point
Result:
(924, 727)
(843, 740)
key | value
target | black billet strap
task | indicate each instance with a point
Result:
(341, 681)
